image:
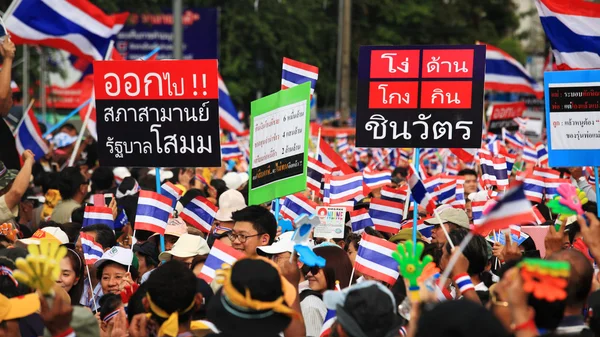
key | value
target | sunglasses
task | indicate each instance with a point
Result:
(314, 270)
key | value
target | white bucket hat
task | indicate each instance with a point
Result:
(187, 245)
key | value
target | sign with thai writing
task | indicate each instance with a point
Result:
(157, 113)
(332, 222)
(502, 116)
(279, 130)
(420, 96)
(573, 117)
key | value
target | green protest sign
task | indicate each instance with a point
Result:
(279, 128)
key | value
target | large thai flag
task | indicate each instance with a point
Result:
(386, 215)
(219, 254)
(295, 73)
(360, 219)
(76, 26)
(374, 258)
(297, 204)
(445, 193)
(231, 150)
(153, 211)
(28, 136)
(505, 74)
(394, 194)
(228, 114)
(315, 174)
(92, 251)
(343, 188)
(171, 191)
(419, 192)
(200, 213)
(573, 29)
(512, 209)
(533, 187)
(98, 215)
(374, 179)
(328, 323)
(330, 158)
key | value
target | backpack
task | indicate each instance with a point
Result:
(308, 292)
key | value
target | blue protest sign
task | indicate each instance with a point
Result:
(573, 117)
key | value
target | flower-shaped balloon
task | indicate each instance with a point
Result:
(41, 268)
(410, 265)
(545, 280)
(428, 271)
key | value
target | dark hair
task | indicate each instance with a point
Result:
(464, 172)
(78, 214)
(172, 293)
(68, 127)
(197, 260)
(261, 218)
(190, 195)
(135, 305)
(150, 261)
(573, 229)
(435, 250)
(70, 179)
(402, 171)
(580, 278)
(109, 303)
(337, 266)
(102, 179)
(142, 235)
(104, 235)
(475, 252)
(219, 185)
(8, 287)
(47, 180)
(77, 265)
(134, 272)
(352, 238)
(72, 229)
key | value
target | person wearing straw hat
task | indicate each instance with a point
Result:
(13, 186)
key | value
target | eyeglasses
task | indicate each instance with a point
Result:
(233, 236)
(494, 297)
(314, 270)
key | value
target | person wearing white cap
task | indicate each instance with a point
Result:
(235, 180)
(230, 201)
(111, 270)
(186, 248)
(47, 233)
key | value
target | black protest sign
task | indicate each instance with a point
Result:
(157, 113)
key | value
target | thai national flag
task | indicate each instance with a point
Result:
(510, 162)
(230, 151)
(422, 227)
(394, 194)
(92, 251)
(153, 211)
(574, 32)
(330, 158)
(374, 179)
(327, 323)
(511, 139)
(551, 186)
(445, 194)
(419, 193)
(466, 155)
(477, 208)
(542, 154)
(386, 215)
(343, 188)
(98, 215)
(295, 73)
(505, 74)
(512, 209)
(495, 171)
(28, 136)
(228, 114)
(341, 141)
(200, 213)
(374, 258)
(76, 26)
(171, 191)
(297, 204)
(360, 220)
(459, 201)
(530, 155)
(546, 173)
(315, 174)
(534, 188)
(219, 254)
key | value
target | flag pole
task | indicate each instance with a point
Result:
(318, 144)
(92, 286)
(162, 236)
(597, 187)
(416, 157)
(66, 118)
(439, 219)
(82, 130)
(23, 117)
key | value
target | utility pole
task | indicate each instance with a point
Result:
(338, 76)
(25, 89)
(345, 71)
(177, 29)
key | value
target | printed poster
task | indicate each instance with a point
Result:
(332, 222)
(279, 130)
(573, 117)
(420, 96)
(502, 116)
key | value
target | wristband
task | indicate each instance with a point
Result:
(463, 282)
(67, 333)
(527, 325)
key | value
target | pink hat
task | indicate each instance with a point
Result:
(176, 227)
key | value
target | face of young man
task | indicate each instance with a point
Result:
(245, 238)
(470, 184)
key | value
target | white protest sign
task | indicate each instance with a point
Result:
(332, 222)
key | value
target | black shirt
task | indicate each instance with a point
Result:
(8, 148)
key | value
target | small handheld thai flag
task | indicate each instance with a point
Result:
(546, 173)
(394, 194)
(172, 192)
(511, 139)
(153, 211)
(328, 323)
(28, 136)
(530, 155)
(419, 192)
(533, 186)
(230, 151)
(297, 204)
(92, 251)
(477, 208)
(386, 215)
(200, 213)
(360, 219)
(445, 194)
(332, 159)
(315, 174)
(513, 208)
(121, 220)
(98, 215)
(341, 141)
(374, 258)
(219, 254)
(542, 154)
(551, 186)
(374, 179)
(494, 170)
(343, 188)
(295, 73)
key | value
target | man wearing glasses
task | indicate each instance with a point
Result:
(254, 227)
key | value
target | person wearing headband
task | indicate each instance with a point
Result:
(71, 275)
